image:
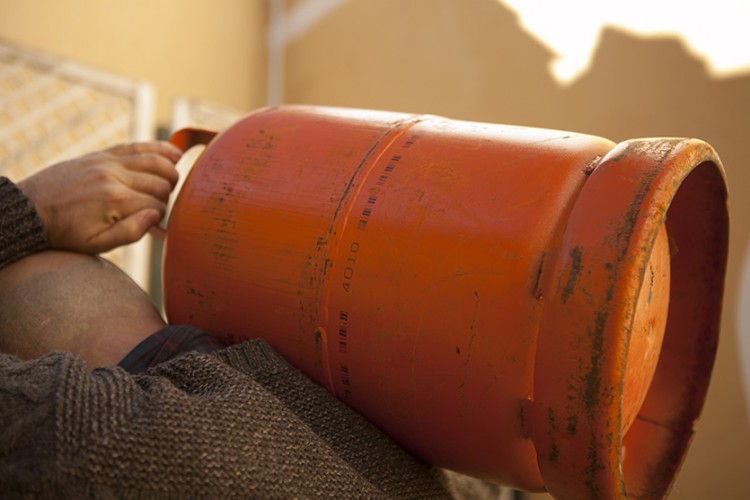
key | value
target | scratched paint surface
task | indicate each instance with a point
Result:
(397, 260)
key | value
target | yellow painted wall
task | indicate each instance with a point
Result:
(189, 48)
(469, 59)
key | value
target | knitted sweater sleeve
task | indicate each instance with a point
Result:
(241, 422)
(21, 231)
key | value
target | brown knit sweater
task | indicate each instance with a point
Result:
(239, 423)
(21, 231)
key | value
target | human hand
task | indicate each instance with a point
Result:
(105, 199)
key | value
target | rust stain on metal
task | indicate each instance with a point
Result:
(554, 451)
(536, 289)
(592, 379)
(572, 427)
(593, 392)
(589, 169)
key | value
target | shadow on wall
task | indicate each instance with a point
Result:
(471, 60)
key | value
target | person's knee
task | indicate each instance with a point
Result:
(55, 301)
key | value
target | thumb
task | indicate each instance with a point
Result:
(127, 230)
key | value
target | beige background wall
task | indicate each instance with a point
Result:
(469, 59)
(466, 59)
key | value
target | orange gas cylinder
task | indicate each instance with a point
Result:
(534, 307)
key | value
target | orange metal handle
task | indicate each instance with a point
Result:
(186, 138)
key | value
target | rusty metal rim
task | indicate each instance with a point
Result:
(582, 347)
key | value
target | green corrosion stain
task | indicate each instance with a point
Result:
(575, 269)
(554, 451)
(572, 427)
(592, 380)
(554, 454)
(591, 399)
